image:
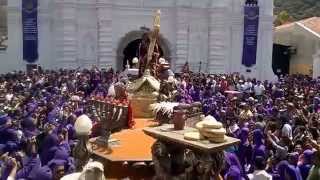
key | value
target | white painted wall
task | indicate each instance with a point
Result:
(76, 33)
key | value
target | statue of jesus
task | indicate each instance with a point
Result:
(149, 49)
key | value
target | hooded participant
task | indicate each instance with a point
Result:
(259, 149)
(245, 149)
(306, 163)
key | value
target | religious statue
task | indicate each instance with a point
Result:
(145, 90)
(149, 51)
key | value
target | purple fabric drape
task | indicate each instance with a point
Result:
(250, 39)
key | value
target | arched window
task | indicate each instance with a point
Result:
(3, 25)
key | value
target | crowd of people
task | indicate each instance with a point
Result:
(277, 122)
(37, 117)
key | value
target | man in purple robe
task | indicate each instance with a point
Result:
(29, 127)
(245, 149)
(50, 140)
(30, 162)
(306, 164)
(7, 131)
(259, 149)
(233, 174)
(232, 160)
(287, 172)
(43, 173)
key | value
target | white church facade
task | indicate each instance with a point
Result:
(80, 33)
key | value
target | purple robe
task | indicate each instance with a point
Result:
(245, 149)
(232, 160)
(285, 171)
(259, 149)
(8, 134)
(233, 173)
(196, 95)
(62, 155)
(307, 163)
(43, 173)
(50, 141)
(29, 164)
(29, 128)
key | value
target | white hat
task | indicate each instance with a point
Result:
(73, 176)
(135, 60)
(9, 97)
(83, 125)
(209, 118)
(75, 98)
(94, 164)
(162, 61)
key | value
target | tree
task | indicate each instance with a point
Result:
(297, 9)
(283, 18)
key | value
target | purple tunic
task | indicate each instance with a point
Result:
(43, 173)
(245, 149)
(307, 163)
(50, 141)
(259, 149)
(29, 164)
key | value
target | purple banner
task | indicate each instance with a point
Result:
(30, 30)
(250, 38)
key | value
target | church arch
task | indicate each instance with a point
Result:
(135, 35)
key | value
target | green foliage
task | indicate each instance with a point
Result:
(297, 9)
(282, 18)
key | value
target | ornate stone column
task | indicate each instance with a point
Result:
(65, 33)
(182, 34)
(45, 40)
(265, 42)
(15, 43)
(105, 52)
(217, 59)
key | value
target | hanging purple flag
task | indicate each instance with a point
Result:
(30, 30)
(250, 39)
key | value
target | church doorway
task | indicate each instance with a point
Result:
(129, 44)
(281, 59)
(132, 51)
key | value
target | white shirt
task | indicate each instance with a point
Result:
(74, 176)
(240, 87)
(259, 89)
(287, 131)
(111, 91)
(247, 87)
(9, 97)
(260, 175)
